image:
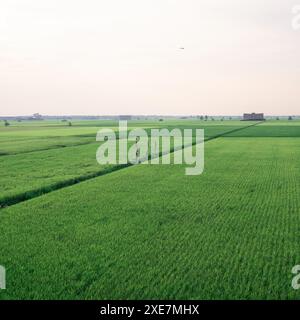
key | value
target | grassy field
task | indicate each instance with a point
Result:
(269, 128)
(22, 138)
(25, 175)
(150, 231)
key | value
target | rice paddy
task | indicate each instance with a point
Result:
(150, 231)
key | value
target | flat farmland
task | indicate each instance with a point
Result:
(150, 231)
(27, 174)
(23, 137)
(274, 128)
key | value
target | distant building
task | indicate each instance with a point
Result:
(125, 117)
(253, 117)
(37, 116)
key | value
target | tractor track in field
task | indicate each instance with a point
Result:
(28, 195)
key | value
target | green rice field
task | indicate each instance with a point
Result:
(73, 229)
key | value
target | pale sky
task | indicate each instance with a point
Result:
(122, 57)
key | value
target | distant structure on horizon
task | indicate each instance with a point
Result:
(37, 116)
(125, 117)
(253, 117)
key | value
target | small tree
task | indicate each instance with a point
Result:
(277, 118)
(290, 118)
(6, 123)
(70, 124)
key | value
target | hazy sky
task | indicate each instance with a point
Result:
(123, 57)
